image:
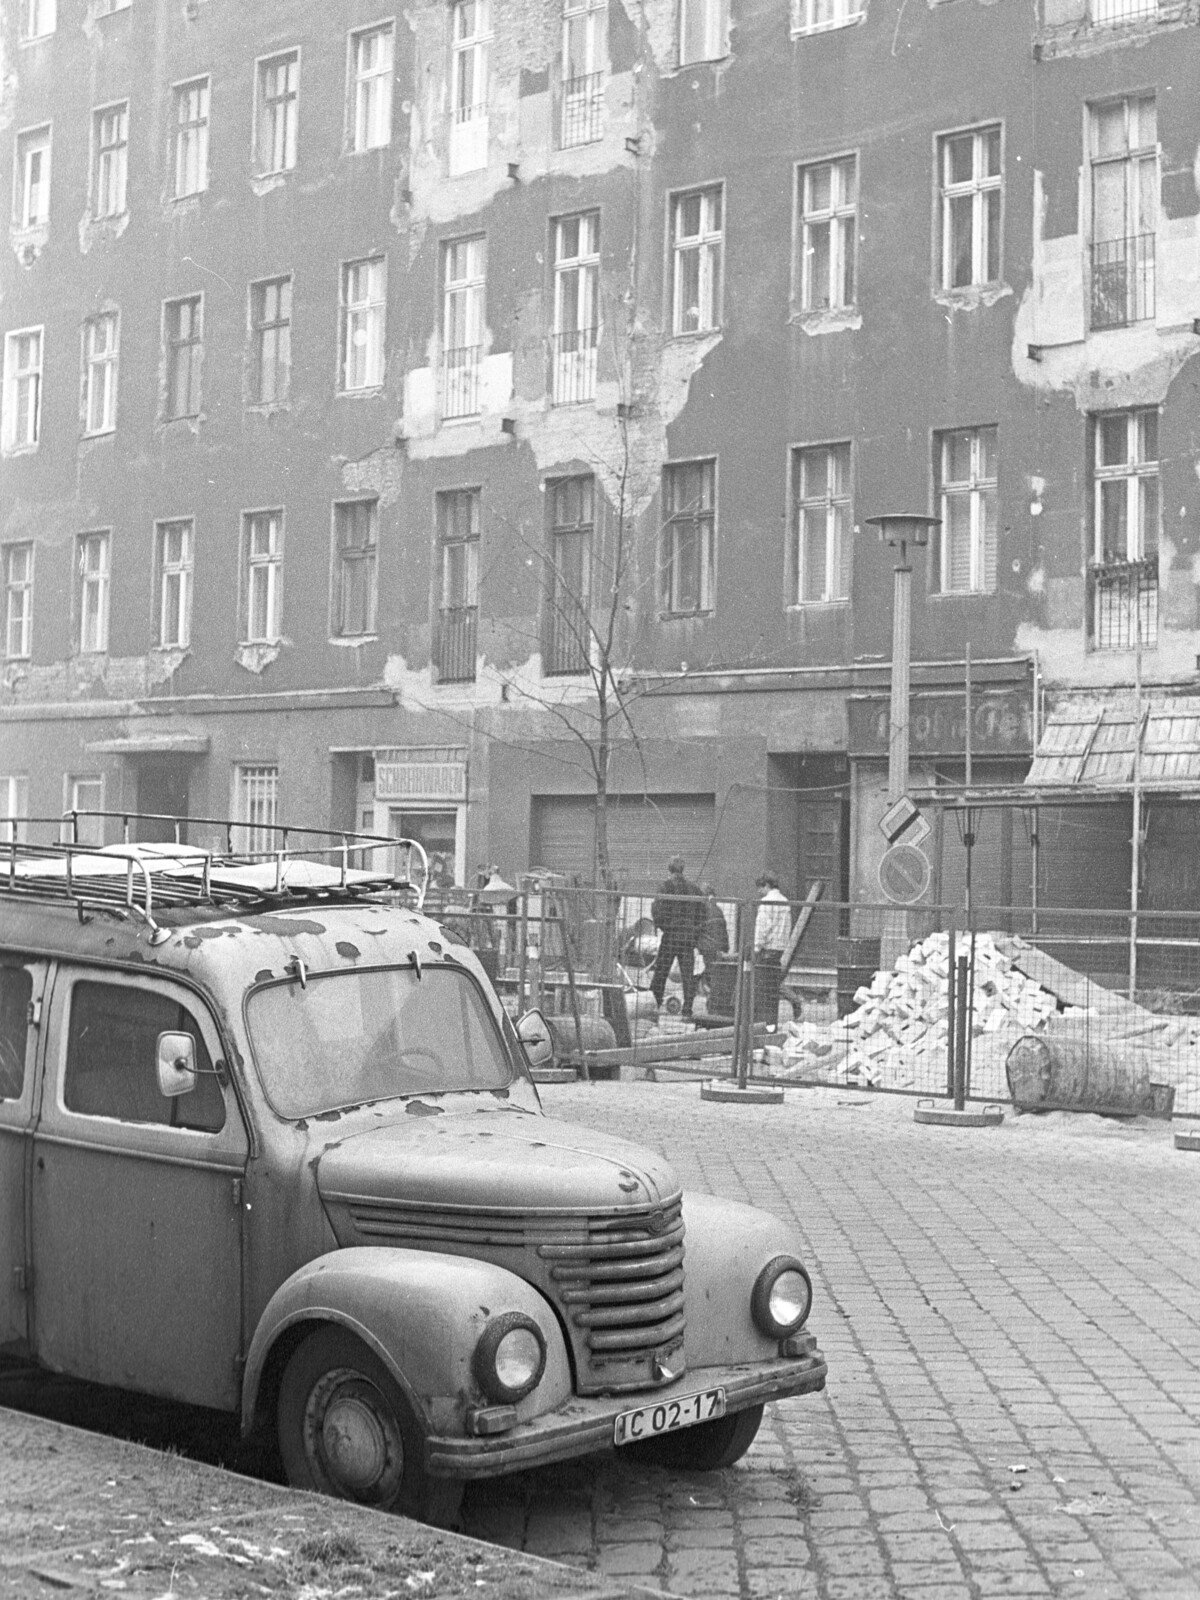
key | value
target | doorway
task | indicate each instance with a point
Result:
(162, 791)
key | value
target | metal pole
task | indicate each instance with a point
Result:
(960, 1029)
(1135, 853)
(967, 725)
(743, 1021)
(901, 648)
(951, 1008)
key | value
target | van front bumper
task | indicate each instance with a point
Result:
(584, 1426)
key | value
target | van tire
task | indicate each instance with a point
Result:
(707, 1447)
(347, 1429)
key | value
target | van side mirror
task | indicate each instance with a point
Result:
(176, 1062)
(534, 1034)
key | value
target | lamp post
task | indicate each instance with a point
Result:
(901, 529)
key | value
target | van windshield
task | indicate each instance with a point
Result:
(349, 1037)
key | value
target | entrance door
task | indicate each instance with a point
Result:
(436, 831)
(820, 856)
(162, 789)
(135, 1199)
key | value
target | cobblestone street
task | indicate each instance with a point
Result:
(1012, 1323)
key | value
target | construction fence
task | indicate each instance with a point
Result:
(868, 996)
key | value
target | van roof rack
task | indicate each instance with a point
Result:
(276, 865)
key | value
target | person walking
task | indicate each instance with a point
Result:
(714, 934)
(773, 921)
(678, 911)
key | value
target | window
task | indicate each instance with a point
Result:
(191, 138)
(270, 340)
(256, 803)
(31, 178)
(112, 1056)
(585, 56)
(83, 796)
(104, 8)
(364, 297)
(696, 260)
(1116, 13)
(463, 287)
(173, 542)
(1125, 519)
(277, 112)
(703, 30)
(356, 546)
(458, 576)
(92, 555)
(816, 16)
(262, 576)
(970, 179)
(182, 328)
(827, 195)
(100, 356)
(821, 496)
(17, 563)
(110, 151)
(572, 524)
(22, 388)
(38, 19)
(470, 32)
(14, 806)
(371, 53)
(689, 505)
(966, 474)
(576, 308)
(16, 1017)
(1124, 152)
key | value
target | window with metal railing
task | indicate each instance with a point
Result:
(584, 63)
(458, 527)
(575, 340)
(463, 291)
(1123, 281)
(1124, 195)
(1115, 13)
(1123, 572)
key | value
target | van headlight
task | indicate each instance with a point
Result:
(510, 1358)
(782, 1297)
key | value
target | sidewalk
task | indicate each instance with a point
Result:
(84, 1514)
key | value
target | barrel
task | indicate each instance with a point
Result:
(1084, 1074)
(766, 986)
(596, 1033)
(857, 964)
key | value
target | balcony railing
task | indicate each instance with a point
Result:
(566, 637)
(460, 381)
(1126, 605)
(573, 366)
(582, 109)
(1123, 281)
(1115, 13)
(454, 647)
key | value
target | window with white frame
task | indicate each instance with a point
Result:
(470, 35)
(83, 797)
(182, 334)
(110, 154)
(584, 65)
(966, 481)
(576, 336)
(262, 576)
(22, 420)
(16, 560)
(14, 806)
(371, 56)
(827, 201)
(39, 18)
(355, 552)
(173, 557)
(823, 522)
(31, 178)
(817, 16)
(93, 557)
(364, 301)
(1125, 185)
(256, 804)
(270, 340)
(101, 354)
(696, 250)
(970, 181)
(277, 112)
(464, 286)
(687, 555)
(1125, 523)
(703, 30)
(191, 137)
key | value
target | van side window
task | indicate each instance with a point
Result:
(112, 1046)
(16, 991)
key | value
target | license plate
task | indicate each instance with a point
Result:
(683, 1412)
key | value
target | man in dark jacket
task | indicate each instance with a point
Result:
(678, 910)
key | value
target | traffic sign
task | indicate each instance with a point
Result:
(904, 874)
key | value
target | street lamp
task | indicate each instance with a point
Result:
(900, 529)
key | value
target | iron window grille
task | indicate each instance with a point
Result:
(1125, 180)
(464, 283)
(575, 341)
(458, 514)
(1126, 514)
(256, 795)
(585, 57)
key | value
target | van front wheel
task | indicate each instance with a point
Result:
(707, 1447)
(346, 1429)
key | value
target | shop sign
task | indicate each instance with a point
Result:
(420, 774)
(1001, 724)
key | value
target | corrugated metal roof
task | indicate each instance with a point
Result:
(1090, 744)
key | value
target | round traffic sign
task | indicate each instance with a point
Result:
(904, 874)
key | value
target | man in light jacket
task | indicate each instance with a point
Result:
(773, 922)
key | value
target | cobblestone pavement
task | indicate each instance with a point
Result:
(1012, 1323)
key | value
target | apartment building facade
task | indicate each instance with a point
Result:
(359, 366)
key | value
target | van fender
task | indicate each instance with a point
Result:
(422, 1313)
(728, 1245)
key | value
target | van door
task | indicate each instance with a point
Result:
(22, 984)
(135, 1199)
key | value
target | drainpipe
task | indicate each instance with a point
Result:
(1135, 853)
